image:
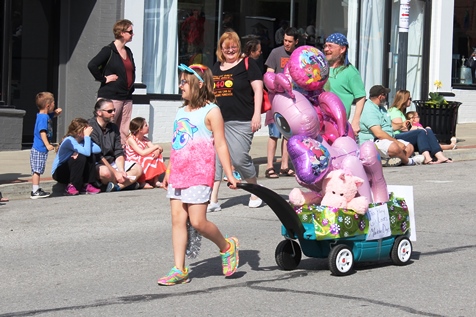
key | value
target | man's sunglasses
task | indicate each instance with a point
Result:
(109, 111)
(188, 69)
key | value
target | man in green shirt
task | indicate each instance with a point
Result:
(344, 79)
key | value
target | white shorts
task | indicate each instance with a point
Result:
(198, 194)
(384, 144)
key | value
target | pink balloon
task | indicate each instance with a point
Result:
(310, 159)
(268, 80)
(332, 106)
(370, 158)
(308, 68)
(295, 116)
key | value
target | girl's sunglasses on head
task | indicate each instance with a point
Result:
(187, 69)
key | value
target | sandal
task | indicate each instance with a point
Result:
(145, 186)
(3, 199)
(286, 172)
(271, 173)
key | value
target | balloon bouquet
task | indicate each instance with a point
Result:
(320, 139)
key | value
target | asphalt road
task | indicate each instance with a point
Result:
(101, 256)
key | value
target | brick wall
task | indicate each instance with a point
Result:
(467, 110)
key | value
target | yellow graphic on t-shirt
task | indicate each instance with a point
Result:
(223, 85)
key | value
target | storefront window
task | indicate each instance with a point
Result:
(178, 31)
(464, 39)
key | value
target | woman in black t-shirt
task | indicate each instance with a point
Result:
(239, 93)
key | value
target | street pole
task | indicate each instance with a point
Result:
(403, 44)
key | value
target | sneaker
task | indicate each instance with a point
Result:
(254, 203)
(213, 207)
(90, 190)
(174, 277)
(418, 159)
(111, 187)
(230, 259)
(39, 194)
(237, 175)
(71, 190)
(391, 162)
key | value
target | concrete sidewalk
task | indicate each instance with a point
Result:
(15, 175)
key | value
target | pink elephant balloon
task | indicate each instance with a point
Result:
(294, 116)
(320, 139)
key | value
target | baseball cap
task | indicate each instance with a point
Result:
(378, 90)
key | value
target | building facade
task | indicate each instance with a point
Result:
(46, 45)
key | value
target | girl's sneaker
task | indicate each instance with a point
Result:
(237, 175)
(90, 190)
(71, 190)
(174, 277)
(230, 259)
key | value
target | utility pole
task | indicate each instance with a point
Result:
(403, 44)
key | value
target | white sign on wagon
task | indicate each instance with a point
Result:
(379, 222)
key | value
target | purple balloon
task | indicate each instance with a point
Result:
(310, 159)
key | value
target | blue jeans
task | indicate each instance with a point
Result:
(422, 140)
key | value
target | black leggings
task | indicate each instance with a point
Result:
(78, 171)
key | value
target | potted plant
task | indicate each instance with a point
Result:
(439, 114)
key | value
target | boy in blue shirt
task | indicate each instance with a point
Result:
(45, 101)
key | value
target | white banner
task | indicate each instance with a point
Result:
(404, 16)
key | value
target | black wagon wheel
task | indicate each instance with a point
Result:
(288, 255)
(401, 251)
(341, 260)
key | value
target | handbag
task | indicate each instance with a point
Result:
(265, 104)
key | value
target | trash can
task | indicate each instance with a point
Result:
(441, 118)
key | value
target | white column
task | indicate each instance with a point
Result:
(441, 45)
(134, 11)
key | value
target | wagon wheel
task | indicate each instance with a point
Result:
(401, 251)
(341, 260)
(288, 255)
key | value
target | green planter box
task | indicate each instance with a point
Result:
(442, 119)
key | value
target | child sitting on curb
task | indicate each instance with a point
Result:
(414, 120)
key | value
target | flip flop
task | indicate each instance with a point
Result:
(286, 172)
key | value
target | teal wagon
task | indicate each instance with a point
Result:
(340, 235)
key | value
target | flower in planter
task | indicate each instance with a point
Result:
(435, 97)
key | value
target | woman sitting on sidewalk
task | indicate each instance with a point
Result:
(424, 141)
(75, 164)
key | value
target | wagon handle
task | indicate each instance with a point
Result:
(279, 206)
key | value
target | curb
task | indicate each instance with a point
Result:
(22, 189)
